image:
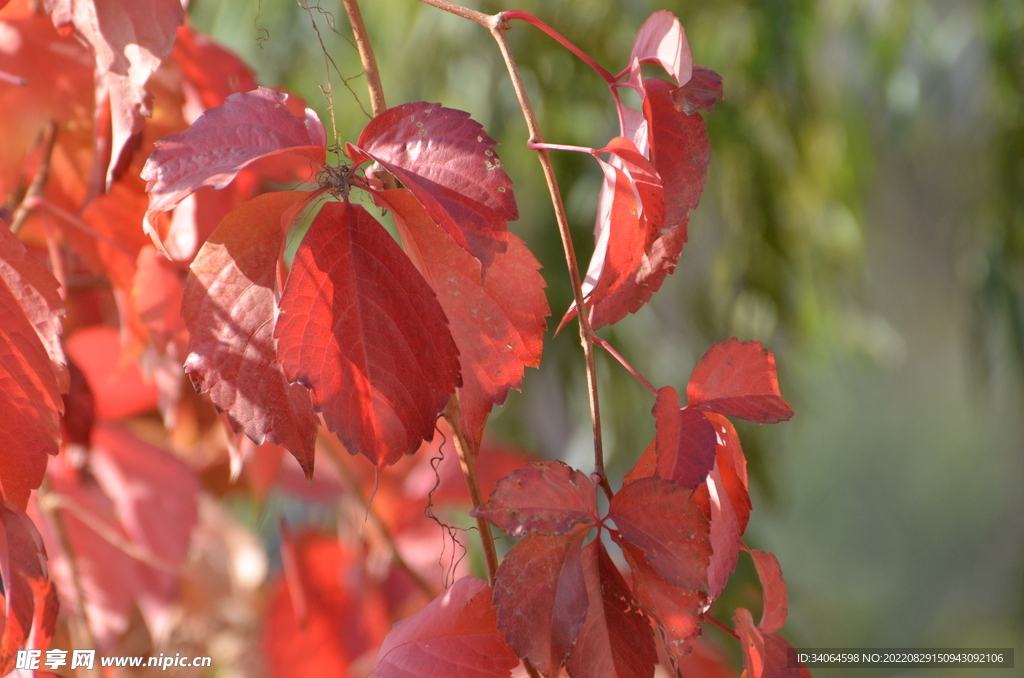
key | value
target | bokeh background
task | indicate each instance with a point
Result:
(863, 218)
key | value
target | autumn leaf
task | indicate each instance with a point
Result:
(324, 612)
(773, 587)
(662, 41)
(732, 465)
(685, 441)
(724, 533)
(225, 139)
(738, 379)
(548, 498)
(456, 634)
(765, 655)
(364, 332)
(658, 517)
(117, 386)
(37, 290)
(677, 610)
(497, 323)
(30, 399)
(447, 160)
(701, 92)
(212, 73)
(29, 596)
(615, 640)
(129, 39)
(229, 307)
(541, 597)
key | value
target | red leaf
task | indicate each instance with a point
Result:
(541, 596)
(738, 379)
(116, 385)
(773, 587)
(498, 323)
(229, 308)
(37, 290)
(157, 294)
(222, 141)
(733, 467)
(661, 40)
(701, 92)
(30, 597)
(685, 441)
(547, 497)
(455, 635)
(128, 39)
(447, 160)
(615, 641)
(767, 655)
(725, 530)
(657, 516)
(680, 152)
(361, 328)
(30, 400)
(211, 72)
(678, 611)
(619, 232)
(343, 618)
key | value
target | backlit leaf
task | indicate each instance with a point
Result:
(497, 323)
(361, 328)
(541, 597)
(223, 140)
(677, 610)
(29, 596)
(738, 379)
(661, 40)
(685, 441)
(701, 92)
(455, 635)
(547, 497)
(447, 160)
(773, 587)
(615, 640)
(30, 400)
(658, 517)
(764, 655)
(229, 307)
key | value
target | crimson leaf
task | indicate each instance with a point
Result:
(657, 516)
(223, 140)
(765, 655)
(738, 379)
(229, 307)
(773, 587)
(447, 160)
(547, 497)
(456, 634)
(677, 610)
(541, 597)
(685, 441)
(497, 323)
(360, 327)
(615, 640)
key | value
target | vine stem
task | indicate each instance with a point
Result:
(722, 626)
(467, 459)
(38, 187)
(373, 83)
(529, 18)
(497, 24)
(81, 634)
(352, 484)
(625, 363)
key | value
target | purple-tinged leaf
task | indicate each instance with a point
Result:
(702, 91)
(685, 441)
(546, 497)
(658, 516)
(223, 140)
(541, 597)
(455, 635)
(447, 160)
